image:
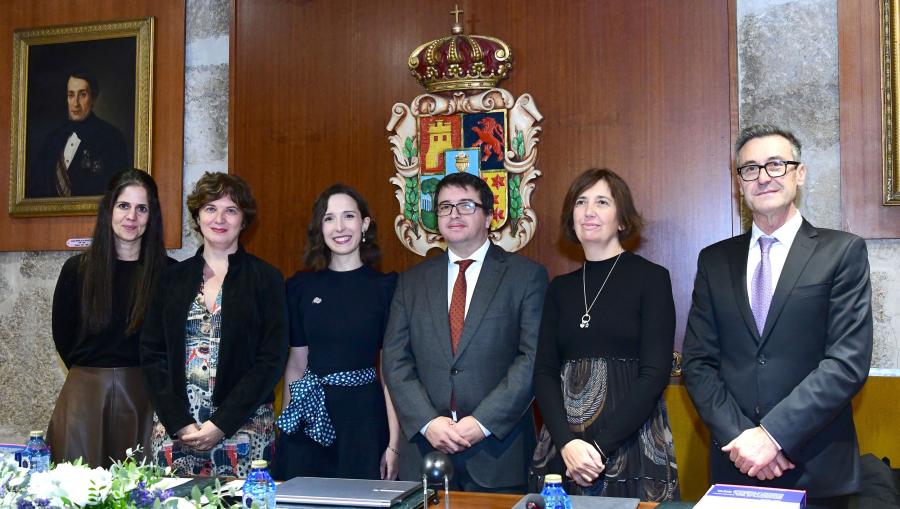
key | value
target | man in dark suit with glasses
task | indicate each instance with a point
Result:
(779, 337)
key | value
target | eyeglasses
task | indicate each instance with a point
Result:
(776, 168)
(464, 208)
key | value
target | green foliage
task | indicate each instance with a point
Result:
(429, 217)
(429, 220)
(112, 491)
(409, 148)
(411, 207)
(429, 186)
(515, 199)
(518, 143)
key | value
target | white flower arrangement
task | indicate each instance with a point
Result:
(75, 484)
(126, 485)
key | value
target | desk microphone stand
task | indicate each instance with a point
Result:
(436, 467)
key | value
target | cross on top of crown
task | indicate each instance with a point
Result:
(456, 12)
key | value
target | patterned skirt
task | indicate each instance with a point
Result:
(644, 466)
(232, 456)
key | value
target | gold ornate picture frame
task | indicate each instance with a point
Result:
(890, 65)
(81, 111)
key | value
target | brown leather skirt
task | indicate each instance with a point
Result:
(99, 414)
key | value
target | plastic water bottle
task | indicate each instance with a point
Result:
(259, 488)
(36, 456)
(555, 496)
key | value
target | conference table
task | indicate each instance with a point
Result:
(461, 500)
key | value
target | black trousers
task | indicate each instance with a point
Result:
(462, 481)
(841, 502)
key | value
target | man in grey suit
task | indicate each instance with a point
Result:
(779, 337)
(459, 348)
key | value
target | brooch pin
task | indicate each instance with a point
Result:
(317, 300)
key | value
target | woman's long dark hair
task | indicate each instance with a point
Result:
(98, 265)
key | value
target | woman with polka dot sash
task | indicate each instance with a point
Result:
(338, 419)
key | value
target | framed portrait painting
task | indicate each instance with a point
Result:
(890, 65)
(81, 112)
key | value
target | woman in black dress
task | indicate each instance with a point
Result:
(98, 311)
(604, 355)
(338, 419)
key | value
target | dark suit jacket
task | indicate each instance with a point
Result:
(101, 154)
(491, 372)
(797, 379)
(252, 351)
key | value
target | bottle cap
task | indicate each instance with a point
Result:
(553, 478)
(259, 464)
(36, 433)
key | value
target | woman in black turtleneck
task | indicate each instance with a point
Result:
(604, 355)
(98, 311)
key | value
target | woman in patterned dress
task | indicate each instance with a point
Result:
(604, 355)
(215, 343)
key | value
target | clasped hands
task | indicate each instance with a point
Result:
(201, 437)
(451, 437)
(754, 453)
(584, 464)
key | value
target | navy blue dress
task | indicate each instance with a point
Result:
(341, 317)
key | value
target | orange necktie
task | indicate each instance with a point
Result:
(458, 304)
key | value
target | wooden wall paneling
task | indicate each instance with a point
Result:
(29, 234)
(859, 57)
(641, 87)
(312, 96)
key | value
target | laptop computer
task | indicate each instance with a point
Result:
(344, 492)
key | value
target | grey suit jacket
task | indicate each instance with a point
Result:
(491, 372)
(799, 376)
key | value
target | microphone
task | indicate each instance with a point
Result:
(534, 501)
(437, 467)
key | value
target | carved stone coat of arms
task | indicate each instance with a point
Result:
(464, 123)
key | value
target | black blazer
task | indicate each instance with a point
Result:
(799, 376)
(253, 347)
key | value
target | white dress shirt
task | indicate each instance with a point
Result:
(472, 272)
(777, 253)
(71, 147)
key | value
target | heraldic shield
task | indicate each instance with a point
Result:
(464, 124)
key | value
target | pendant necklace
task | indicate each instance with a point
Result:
(586, 317)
